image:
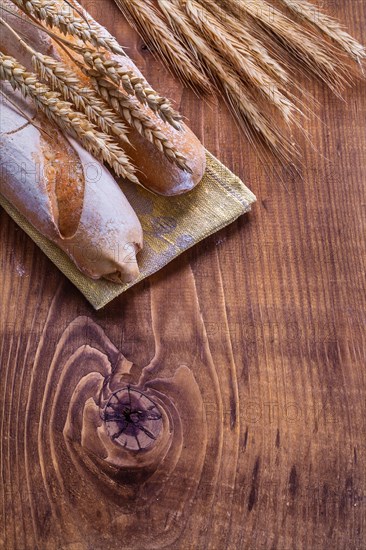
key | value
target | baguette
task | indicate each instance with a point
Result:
(66, 194)
(155, 171)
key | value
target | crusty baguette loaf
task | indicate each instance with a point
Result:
(154, 169)
(66, 194)
(158, 173)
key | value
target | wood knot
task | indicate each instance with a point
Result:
(133, 420)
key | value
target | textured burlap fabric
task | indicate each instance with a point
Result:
(171, 225)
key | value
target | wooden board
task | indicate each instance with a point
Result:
(252, 345)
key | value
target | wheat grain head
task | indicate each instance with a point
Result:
(70, 120)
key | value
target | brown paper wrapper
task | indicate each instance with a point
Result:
(171, 225)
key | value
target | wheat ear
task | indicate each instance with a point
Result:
(109, 94)
(95, 106)
(84, 98)
(247, 43)
(131, 83)
(318, 56)
(240, 101)
(327, 25)
(153, 29)
(67, 82)
(58, 14)
(62, 113)
(242, 63)
(138, 119)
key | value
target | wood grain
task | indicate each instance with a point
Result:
(251, 345)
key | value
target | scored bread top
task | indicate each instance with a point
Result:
(47, 160)
(78, 205)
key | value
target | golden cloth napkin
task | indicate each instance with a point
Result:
(171, 225)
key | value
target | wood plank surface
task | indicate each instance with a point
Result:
(252, 345)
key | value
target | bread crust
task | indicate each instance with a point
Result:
(67, 195)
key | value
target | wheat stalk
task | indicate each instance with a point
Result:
(108, 94)
(23, 114)
(138, 119)
(58, 14)
(84, 98)
(230, 48)
(229, 42)
(318, 56)
(153, 29)
(247, 43)
(240, 101)
(131, 83)
(68, 83)
(62, 113)
(327, 25)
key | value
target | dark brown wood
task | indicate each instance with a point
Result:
(251, 346)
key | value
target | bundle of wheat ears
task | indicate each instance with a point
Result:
(97, 102)
(231, 47)
(244, 51)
